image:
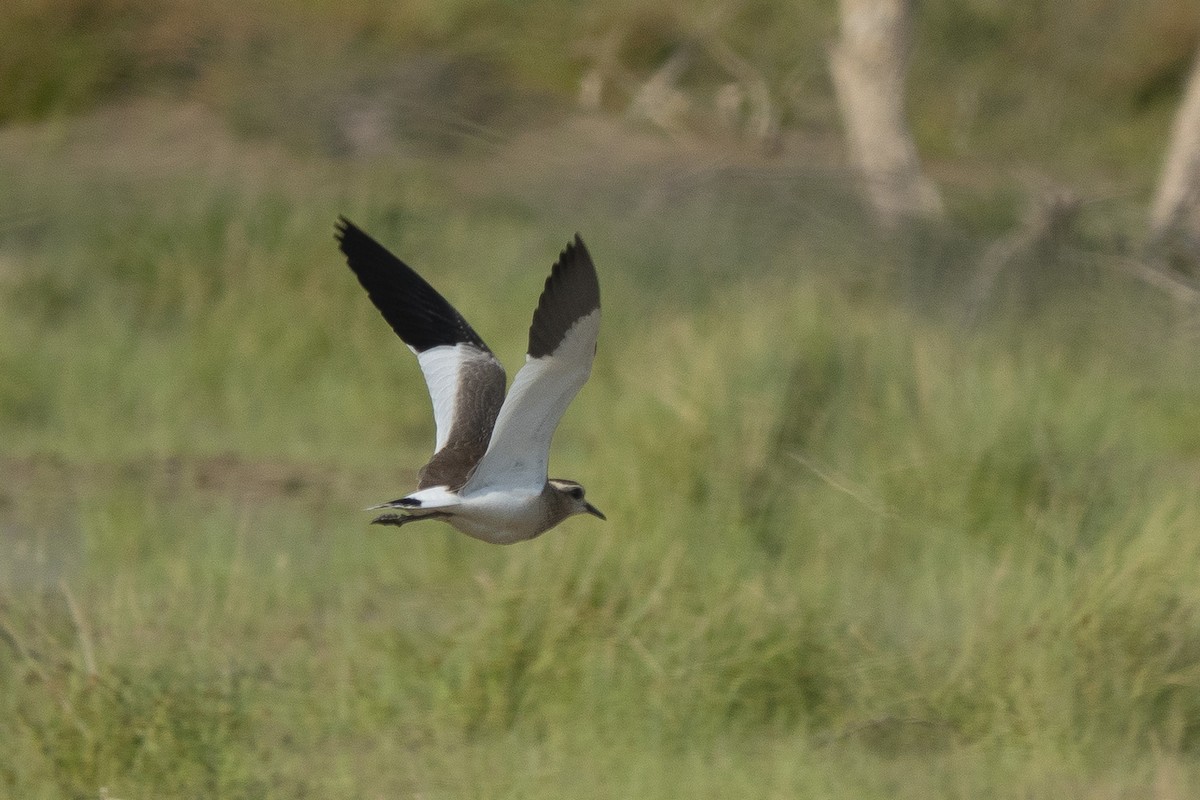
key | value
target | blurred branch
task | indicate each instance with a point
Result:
(1178, 287)
(869, 64)
(763, 122)
(743, 104)
(1176, 206)
(1046, 221)
(605, 69)
(1045, 225)
(659, 100)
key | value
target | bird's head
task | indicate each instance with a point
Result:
(572, 495)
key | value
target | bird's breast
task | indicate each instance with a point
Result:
(502, 517)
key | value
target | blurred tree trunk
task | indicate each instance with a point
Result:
(1175, 213)
(869, 64)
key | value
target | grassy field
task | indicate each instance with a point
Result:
(861, 544)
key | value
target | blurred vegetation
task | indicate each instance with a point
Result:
(870, 535)
(1081, 88)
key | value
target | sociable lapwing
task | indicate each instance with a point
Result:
(488, 475)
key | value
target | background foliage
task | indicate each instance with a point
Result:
(868, 537)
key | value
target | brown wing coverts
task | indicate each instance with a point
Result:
(572, 291)
(480, 395)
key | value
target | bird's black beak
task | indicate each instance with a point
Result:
(595, 512)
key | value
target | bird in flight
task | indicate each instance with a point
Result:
(488, 474)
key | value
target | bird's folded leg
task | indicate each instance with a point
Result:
(402, 519)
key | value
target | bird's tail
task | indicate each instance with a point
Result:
(423, 500)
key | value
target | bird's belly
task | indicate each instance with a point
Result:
(500, 517)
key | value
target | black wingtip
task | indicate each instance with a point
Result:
(573, 247)
(343, 230)
(572, 292)
(417, 313)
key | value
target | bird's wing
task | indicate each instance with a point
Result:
(562, 344)
(466, 382)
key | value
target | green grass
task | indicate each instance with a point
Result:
(857, 547)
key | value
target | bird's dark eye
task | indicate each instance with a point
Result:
(576, 492)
